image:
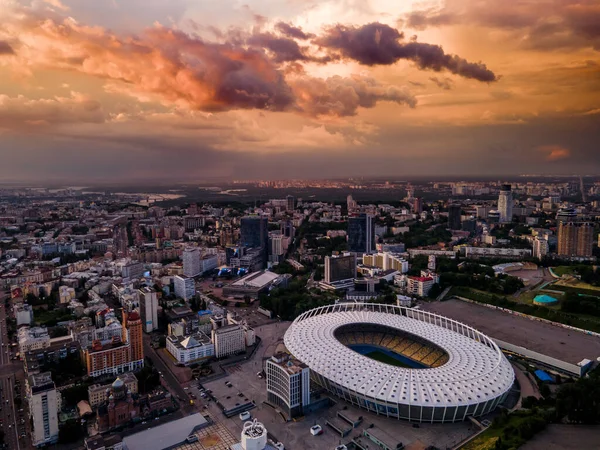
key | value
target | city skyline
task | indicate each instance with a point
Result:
(133, 91)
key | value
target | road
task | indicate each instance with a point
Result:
(8, 369)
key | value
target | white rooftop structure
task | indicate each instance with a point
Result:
(166, 436)
(256, 281)
(473, 380)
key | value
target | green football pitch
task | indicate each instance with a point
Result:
(385, 358)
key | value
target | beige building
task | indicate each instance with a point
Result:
(228, 340)
(97, 392)
(575, 239)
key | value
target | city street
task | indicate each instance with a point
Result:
(9, 415)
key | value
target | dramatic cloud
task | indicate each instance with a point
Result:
(292, 31)
(6, 49)
(544, 24)
(380, 44)
(343, 96)
(554, 152)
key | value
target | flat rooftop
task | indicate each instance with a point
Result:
(257, 280)
(556, 342)
(165, 436)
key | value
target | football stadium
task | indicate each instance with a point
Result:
(401, 362)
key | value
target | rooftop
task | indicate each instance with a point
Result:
(165, 436)
(258, 279)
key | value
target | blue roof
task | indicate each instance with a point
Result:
(204, 312)
(543, 376)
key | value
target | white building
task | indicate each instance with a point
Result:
(190, 349)
(149, 308)
(229, 340)
(288, 384)
(131, 270)
(191, 262)
(478, 252)
(24, 314)
(184, 287)
(209, 262)
(35, 338)
(43, 408)
(540, 247)
(419, 285)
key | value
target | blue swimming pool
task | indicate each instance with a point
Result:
(544, 299)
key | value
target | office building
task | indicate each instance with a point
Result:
(288, 384)
(340, 268)
(254, 231)
(361, 234)
(209, 262)
(228, 340)
(184, 287)
(454, 217)
(575, 239)
(132, 269)
(291, 202)
(191, 262)
(190, 349)
(540, 247)
(148, 298)
(505, 204)
(43, 409)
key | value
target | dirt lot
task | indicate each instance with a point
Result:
(565, 437)
(557, 342)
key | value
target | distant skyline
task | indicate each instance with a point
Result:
(138, 90)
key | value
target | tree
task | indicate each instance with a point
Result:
(74, 394)
(70, 431)
(435, 291)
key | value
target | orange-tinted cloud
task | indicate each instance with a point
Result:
(554, 152)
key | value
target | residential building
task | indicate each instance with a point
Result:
(97, 392)
(132, 270)
(291, 202)
(43, 401)
(419, 285)
(454, 217)
(190, 349)
(66, 294)
(184, 287)
(540, 247)
(228, 340)
(209, 262)
(505, 203)
(191, 261)
(386, 261)
(148, 299)
(496, 252)
(361, 234)
(288, 384)
(575, 239)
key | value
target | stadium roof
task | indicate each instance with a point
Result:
(476, 370)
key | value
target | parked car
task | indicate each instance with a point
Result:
(315, 430)
(245, 415)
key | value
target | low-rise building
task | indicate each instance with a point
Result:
(419, 285)
(66, 294)
(189, 349)
(34, 338)
(97, 392)
(24, 314)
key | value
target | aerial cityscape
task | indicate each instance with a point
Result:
(286, 224)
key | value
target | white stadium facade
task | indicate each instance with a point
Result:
(421, 366)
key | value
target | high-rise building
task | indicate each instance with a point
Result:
(191, 261)
(575, 239)
(417, 205)
(132, 324)
(184, 287)
(361, 234)
(540, 247)
(291, 202)
(149, 308)
(254, 233)
(351, 204)
(228, 340)
(340, 268)
(454, 217)
(288, 384)
(43, 408)
(505, 204)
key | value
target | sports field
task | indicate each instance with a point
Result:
(385, 358)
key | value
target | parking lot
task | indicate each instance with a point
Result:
(296, 435)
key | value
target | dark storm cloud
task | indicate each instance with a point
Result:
(6, 49)
(292, 31)
(380, 44)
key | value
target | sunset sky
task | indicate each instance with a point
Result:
(104, 90)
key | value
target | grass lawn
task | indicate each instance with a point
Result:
(563, 270)
(576, 285)
(387, 359)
